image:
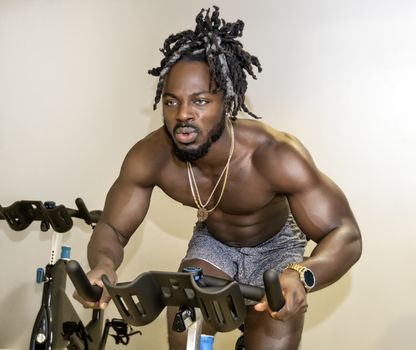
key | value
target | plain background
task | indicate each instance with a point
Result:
(340, 75)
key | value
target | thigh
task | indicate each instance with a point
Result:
(178, 340)
(261, 332)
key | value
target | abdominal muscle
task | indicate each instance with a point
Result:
(249, 230)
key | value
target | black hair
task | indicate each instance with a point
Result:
(215, 42)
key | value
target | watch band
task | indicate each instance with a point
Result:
(306, 275)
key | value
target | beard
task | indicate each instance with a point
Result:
(190, 155)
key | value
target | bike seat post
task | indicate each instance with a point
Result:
(195, 329)
(56, 240)
(55, 247)
(194, 335)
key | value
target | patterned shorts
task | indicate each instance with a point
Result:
(247, 264)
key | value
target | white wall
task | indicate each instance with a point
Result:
(340, 75)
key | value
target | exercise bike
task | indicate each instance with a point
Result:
(221, 302)
(57, 325)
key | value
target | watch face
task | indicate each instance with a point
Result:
(309, 278)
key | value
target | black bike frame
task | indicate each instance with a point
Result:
(57, 324)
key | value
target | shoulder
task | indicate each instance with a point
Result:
(265, 139)
(280, 157)
(147, 158)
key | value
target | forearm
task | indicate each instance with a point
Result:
(105, 249)
(334, 255)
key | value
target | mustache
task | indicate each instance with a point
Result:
(185, 126)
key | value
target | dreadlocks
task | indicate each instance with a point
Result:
(213, 41)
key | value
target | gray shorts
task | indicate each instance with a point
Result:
(247, 264)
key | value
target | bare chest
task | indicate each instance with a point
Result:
(248, 212)
(241, 192)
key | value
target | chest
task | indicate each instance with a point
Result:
(240, 192)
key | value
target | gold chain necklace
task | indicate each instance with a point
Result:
(203, 212)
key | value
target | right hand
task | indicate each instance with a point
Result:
(94, 277)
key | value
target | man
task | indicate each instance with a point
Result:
(258, 193)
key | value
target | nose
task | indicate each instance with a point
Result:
(184, 112)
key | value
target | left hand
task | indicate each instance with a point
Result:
(294, 294)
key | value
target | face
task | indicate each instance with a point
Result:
(193, 114)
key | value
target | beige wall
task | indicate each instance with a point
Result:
(340, 75)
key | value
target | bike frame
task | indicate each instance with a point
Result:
(57, 324)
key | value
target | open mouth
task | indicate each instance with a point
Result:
(185, 134)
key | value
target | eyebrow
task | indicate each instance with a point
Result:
(194, 94)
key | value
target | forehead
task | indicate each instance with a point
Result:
(188, 77)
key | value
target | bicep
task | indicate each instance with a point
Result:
(128, 200)
(125, 207)
(319, 206)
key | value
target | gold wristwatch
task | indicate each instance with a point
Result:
(306, 275)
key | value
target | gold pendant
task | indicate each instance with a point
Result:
(202, 214)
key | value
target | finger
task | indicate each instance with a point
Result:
(286, 312)
(303, 308)
(86, 304)
(103, 303)
(97, 282)
(91, 305)
(261, 307)
(105, 299)
(280, 315)
(292, 309)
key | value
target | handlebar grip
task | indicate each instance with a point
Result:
(83, 286)
(82, 208)
(273, 290)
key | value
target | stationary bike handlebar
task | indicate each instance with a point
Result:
(22, 213)
(85, 289)
(221, 301)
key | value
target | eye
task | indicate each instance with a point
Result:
(201, 101)
(171, 102)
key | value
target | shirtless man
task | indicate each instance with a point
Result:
(258, 193)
